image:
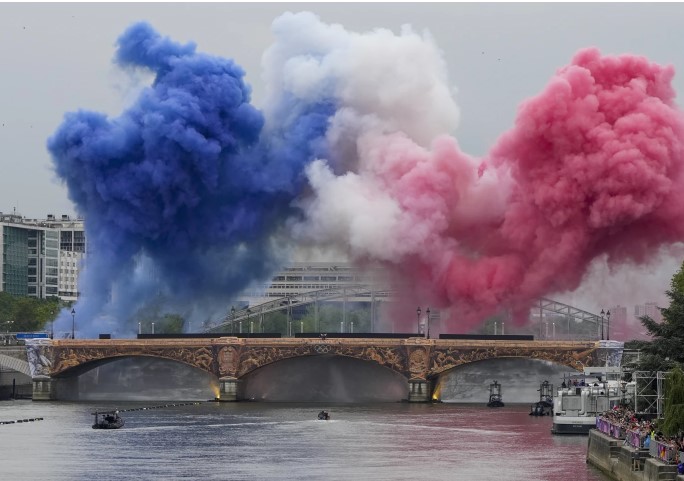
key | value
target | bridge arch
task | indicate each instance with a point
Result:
(323, 378)
(520, 379)
(15, 364)
(390, 357)
(73, 357)
(84, 367)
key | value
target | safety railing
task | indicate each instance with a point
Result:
(664, 452)
(635, 438)
(611, 429)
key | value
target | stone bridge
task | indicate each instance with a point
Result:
(230, 359)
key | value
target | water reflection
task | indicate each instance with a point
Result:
(280, 441)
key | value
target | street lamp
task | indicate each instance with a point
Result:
(608, 327)
(603, 313)
(52, 324)
(428, 323)
(232, 323)
(418, 311)
(73, 323)
(249, 311)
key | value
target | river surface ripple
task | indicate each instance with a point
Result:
(260, 441)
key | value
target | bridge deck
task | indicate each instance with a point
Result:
(307, 341)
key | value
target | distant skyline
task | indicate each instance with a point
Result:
(57, 58)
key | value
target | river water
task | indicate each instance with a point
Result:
(285, 441)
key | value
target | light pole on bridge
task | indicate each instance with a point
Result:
(73, 323)
(428, 322)
(418, 311)
(603, 313)
(232, 323)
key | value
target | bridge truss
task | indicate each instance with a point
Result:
(361, 292)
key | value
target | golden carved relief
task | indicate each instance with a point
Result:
(67, 357)
(240, 357)
(227, 361)
(256, 357)
(447, 358)
(418, 363)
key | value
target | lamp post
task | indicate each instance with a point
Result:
(52, 324)
(603, 313)
(73, 323)
(418, 311)
(428, 322)
(232, 322)
(249, 311)
(608, 326)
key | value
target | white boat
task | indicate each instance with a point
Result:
(582, 397)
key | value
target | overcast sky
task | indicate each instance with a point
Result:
(57, 58)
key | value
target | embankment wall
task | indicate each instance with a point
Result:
(624, 463)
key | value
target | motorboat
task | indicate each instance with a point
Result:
(324, 416)
(108, 420)
(543, 407)
(495, 399)
(584, 396)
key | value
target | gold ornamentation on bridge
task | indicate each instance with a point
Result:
(418, 363)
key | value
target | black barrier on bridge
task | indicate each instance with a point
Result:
(211, 335)
(489, 337)
(357, 335)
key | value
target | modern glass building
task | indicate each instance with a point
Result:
(41, 258)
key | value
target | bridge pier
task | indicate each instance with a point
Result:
(44, 388)
(420, 391)
(229, 387)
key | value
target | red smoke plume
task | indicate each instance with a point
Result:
(592, 166)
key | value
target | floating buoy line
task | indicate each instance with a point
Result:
(27, 420)
(147, 408)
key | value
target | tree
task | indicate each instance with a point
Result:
(26, 314)
(664, 351)
(673, 421)
(678, 280)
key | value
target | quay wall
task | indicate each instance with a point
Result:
(625, 463)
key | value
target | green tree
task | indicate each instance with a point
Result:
(678, 280)
(673, 421)
(20, 313)
(664, 352)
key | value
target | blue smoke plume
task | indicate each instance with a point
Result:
(183, 194)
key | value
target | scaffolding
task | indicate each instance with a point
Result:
(649, 392)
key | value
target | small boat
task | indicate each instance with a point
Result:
(324, 415)
(543, 407)
(495, 396)
(108, 420)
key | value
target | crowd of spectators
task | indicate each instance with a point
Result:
(646, 430)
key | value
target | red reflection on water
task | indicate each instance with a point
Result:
(524, 449)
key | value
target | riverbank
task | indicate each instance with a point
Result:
(624, 463)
